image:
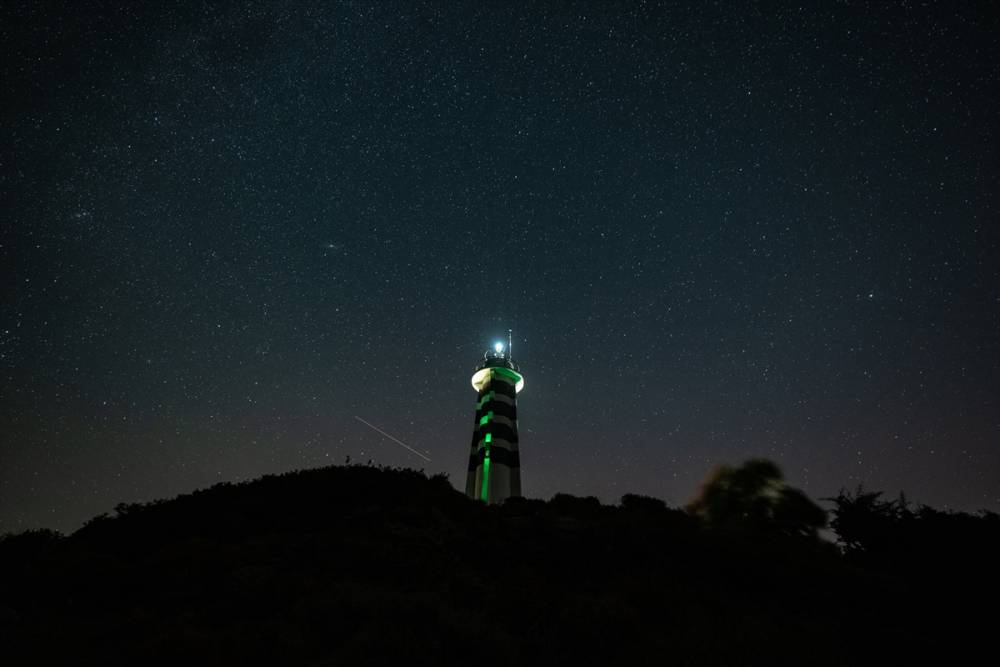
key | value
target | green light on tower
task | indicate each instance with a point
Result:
(485, 495)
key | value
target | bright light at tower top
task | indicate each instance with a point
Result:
(498, 347)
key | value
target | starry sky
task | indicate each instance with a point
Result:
(717, 232)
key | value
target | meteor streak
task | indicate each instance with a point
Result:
(396, 440)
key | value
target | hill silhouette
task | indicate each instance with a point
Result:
(370, 566)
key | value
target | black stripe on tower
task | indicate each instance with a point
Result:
(499, 408)
(501, 385)
(504, 432)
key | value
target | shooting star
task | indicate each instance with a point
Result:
(396, 440)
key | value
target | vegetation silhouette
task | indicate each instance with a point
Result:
(361, 565)
(754, 497)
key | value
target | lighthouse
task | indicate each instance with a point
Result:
(494, 464)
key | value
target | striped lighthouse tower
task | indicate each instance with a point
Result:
(494, 465)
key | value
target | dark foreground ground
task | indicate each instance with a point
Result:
(362, 566)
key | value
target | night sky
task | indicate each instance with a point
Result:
(717, 233)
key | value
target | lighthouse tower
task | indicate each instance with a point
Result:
(494, 465)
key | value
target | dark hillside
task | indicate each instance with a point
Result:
(365, 566)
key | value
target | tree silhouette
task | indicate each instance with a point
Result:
(866, 524)
(891, 533)
(754, 496)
